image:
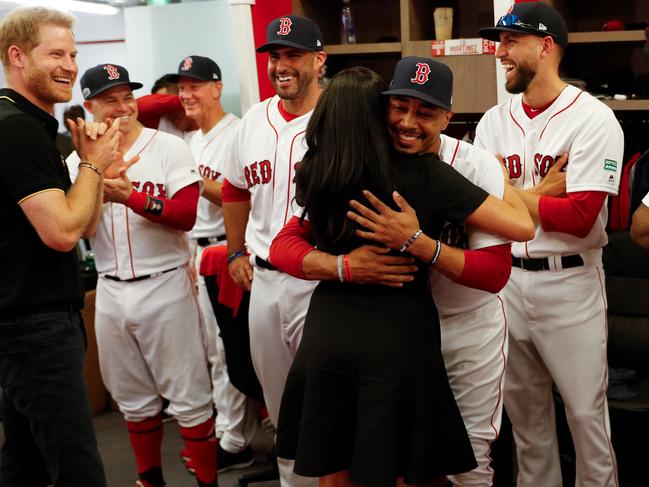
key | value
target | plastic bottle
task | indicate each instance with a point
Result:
(347, 27)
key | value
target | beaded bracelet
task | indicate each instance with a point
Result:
(412, 238)
(339, 263)
(438, 250)
(90, 166)
(235, 255)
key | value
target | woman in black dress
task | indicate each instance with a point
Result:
(368, 392)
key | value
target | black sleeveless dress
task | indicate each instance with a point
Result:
(368, 390)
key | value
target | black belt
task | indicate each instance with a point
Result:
(264, 264)
(207, 241)
(140, 278)
(543, 264)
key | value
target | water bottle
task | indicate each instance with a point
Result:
(347, 27)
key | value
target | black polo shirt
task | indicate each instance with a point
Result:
(33, 276)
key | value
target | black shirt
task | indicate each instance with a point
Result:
(34, 276)
(436, 191)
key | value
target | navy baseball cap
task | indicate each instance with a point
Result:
(103, 77)
(293, 31)
(197, 67)
(535, 18)
(425, 79)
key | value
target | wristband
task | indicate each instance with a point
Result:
(412, 238)
(347, 268)
(90, 166)
(438, 250)
(339, 264)
(235, 255)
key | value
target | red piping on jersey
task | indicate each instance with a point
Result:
(500, 384)
(218, 132)
(128, 238)
(276, 142)
(112, 232)
(290, 169)
(457, 146)
(524, 156)
(502, 375)
(560, 111)
(604, 384)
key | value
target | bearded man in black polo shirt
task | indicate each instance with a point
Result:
(49, 438)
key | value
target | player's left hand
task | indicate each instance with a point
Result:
(384, 225)
(554, 182)
(118, 190)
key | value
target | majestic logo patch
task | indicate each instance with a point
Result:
(611, 179)
(542, 26)
(187, 64)
(421, 76)
(284, 26)
(86, 92)
(113, 74)
(610, 165)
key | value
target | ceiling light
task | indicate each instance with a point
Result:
(72, 5)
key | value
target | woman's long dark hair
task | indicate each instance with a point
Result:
(348, 150)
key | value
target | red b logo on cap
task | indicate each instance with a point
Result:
(112, 72)
(187, 64)
(421, 76)
(284, 26)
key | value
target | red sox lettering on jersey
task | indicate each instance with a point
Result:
(207, 172)
(150, 188)
(112, 72)
(542, 164)
(422, 74)
(284, 26)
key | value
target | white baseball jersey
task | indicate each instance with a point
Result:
(210, 151)
(575, 123)
(263, 159)
(482, 169)
(165, 166)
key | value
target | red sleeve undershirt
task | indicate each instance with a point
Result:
(232, 194)
(152, 107)
(290, 247)
(487, 269)
(574, 215)
(178, 212)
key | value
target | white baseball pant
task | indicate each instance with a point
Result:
(278, 306)
(150, 345)
(558, 332)
(474, 346)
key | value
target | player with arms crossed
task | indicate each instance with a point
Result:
(266, 150)
(147, 316)
(555, 297)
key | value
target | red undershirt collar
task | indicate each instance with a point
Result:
(285, 115)
(533, 112)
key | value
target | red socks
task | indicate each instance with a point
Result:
(146, 441)
(200, 441)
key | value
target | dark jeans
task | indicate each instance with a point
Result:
(49, 436)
